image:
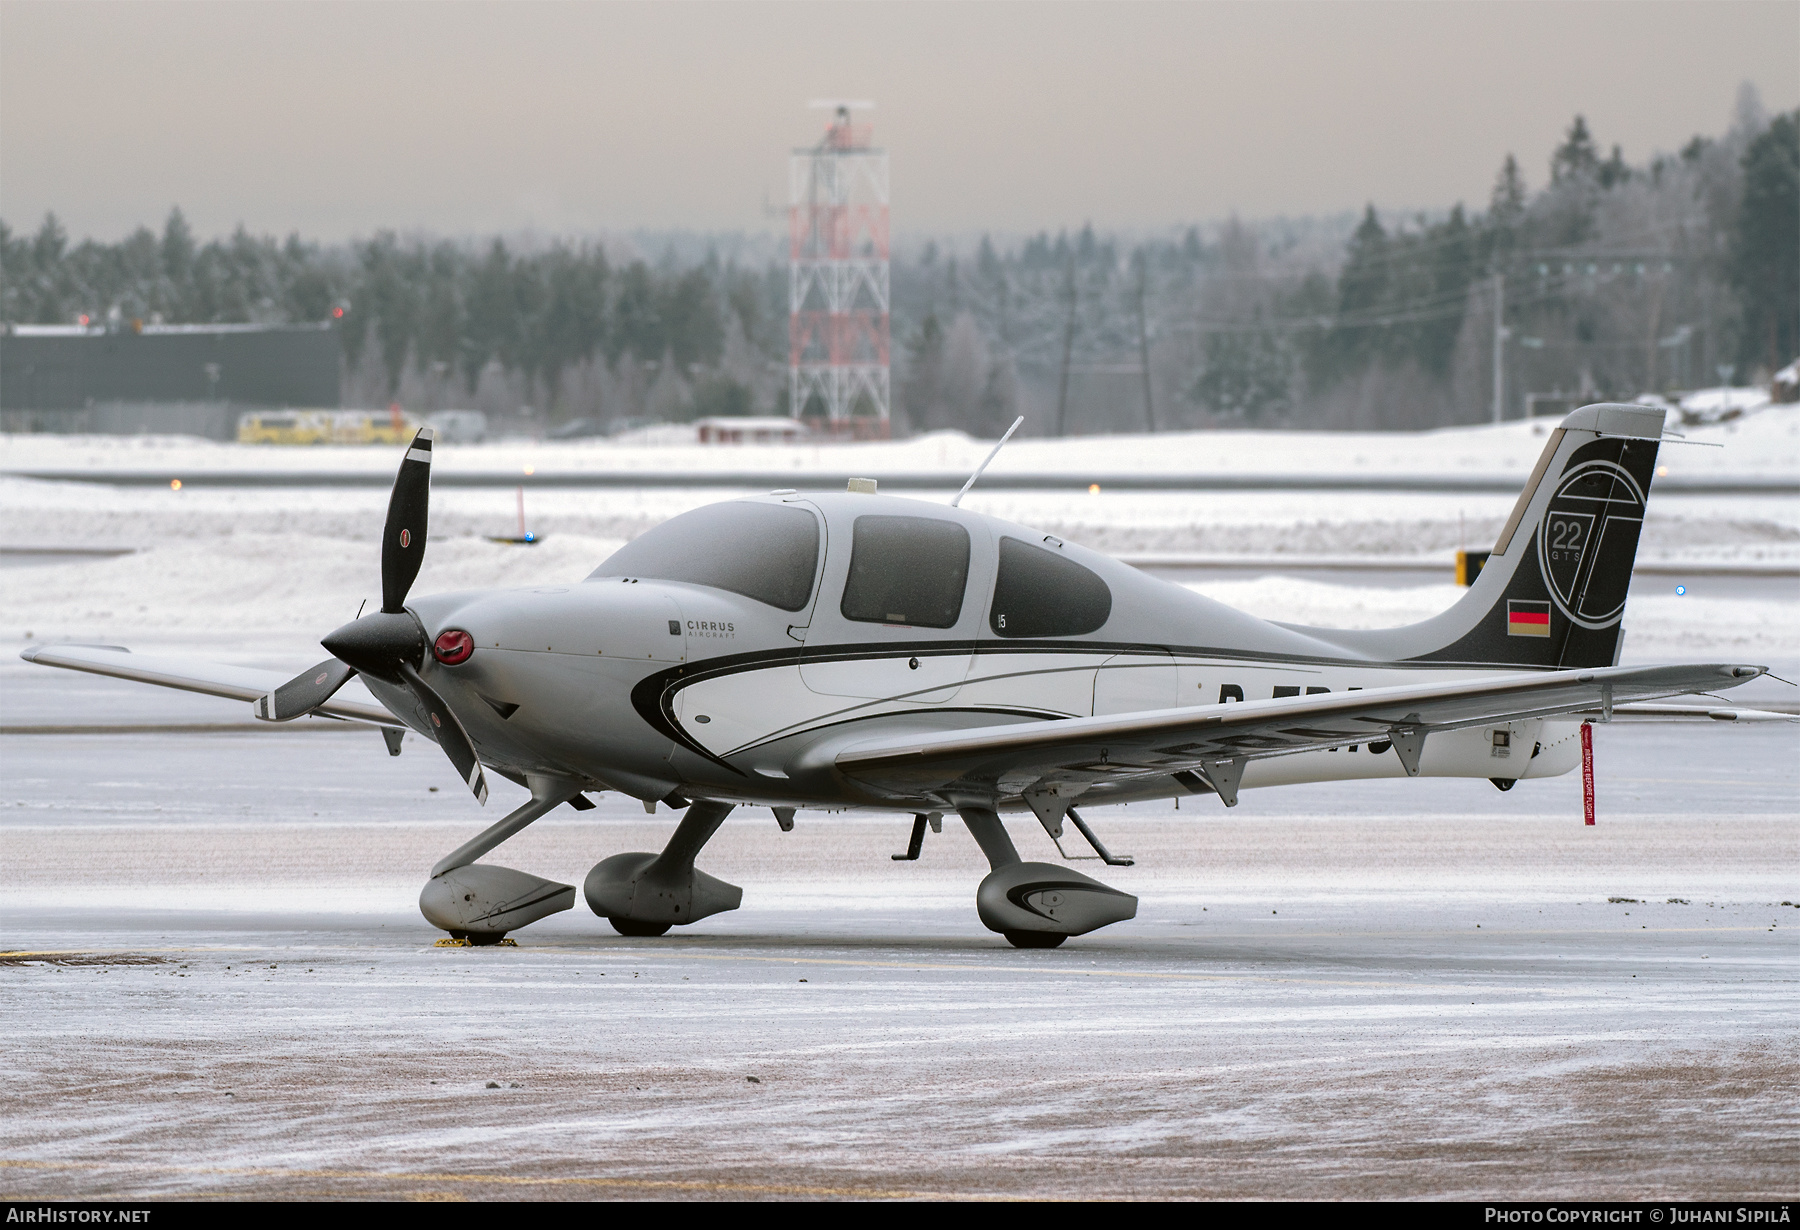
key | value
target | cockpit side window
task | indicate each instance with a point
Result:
(1042, 593)
(768, 552)
(906, 570)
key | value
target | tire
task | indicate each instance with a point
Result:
(1034, 939)
(640, 930)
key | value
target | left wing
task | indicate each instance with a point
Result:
(191, 675)
(1217, 740)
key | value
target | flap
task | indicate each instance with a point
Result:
(1171, 740)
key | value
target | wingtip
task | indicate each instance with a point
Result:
(30, 652)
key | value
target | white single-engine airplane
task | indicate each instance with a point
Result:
(849, 649)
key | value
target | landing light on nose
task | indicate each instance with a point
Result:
(453, 647)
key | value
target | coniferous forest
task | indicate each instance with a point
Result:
(1613, 279)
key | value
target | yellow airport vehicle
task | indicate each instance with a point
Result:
(391, 426)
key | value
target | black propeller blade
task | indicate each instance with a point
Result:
(450, 733)
(389, 645)
(374, 646)
(304, 692)
(408, 516)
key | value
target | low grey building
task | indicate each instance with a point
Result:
(190, 379)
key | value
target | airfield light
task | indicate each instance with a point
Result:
(337, 313)
(1093, 488)
(84, 318)
(174, 484)
(1680, 590)
(530, 469)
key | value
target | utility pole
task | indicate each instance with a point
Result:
(1499, 346)
(1143, 264)
(1062, 386)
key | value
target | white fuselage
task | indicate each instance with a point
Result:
(660, 686)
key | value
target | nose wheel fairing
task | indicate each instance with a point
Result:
(483, 901)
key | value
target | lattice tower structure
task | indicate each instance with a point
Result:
(838, 288)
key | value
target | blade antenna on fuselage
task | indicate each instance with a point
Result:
(984, 465)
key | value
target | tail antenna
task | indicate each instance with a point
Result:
(984, 464)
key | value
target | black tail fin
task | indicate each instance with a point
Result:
(1553, 591)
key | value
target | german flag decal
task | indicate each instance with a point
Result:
(1527, 618)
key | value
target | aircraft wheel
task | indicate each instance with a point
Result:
(1504, 783)
(1034, 939)
(628, 926)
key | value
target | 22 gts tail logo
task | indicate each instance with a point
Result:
(1588, 540)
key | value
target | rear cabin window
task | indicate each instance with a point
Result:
(1042, 593)
(768, 552)
(906, 570)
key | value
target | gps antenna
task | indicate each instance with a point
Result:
(990, 458)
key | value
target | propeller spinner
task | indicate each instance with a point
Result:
(388, 645)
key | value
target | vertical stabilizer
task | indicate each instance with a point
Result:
(1553, 591)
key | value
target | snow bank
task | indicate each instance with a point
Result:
(1764, 445)
(293, 588)
(298, 561)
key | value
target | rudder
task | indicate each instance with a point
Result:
(1553, 591)
(1567, 551)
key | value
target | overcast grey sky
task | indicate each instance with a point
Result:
(334, 119)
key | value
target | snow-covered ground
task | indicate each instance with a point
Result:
(1766, 444)
(1380, 990)
(1256, 522)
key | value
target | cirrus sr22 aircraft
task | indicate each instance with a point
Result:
(848, 649)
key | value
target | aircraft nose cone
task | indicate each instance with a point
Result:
(375, 644)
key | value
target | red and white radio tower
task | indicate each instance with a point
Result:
(838, 276)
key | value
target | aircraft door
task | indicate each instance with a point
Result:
(893, 620)
(1132, 682)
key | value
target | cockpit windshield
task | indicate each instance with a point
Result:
(768, 552)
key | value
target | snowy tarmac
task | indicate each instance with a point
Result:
(1380, 989)
(1374, 989)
